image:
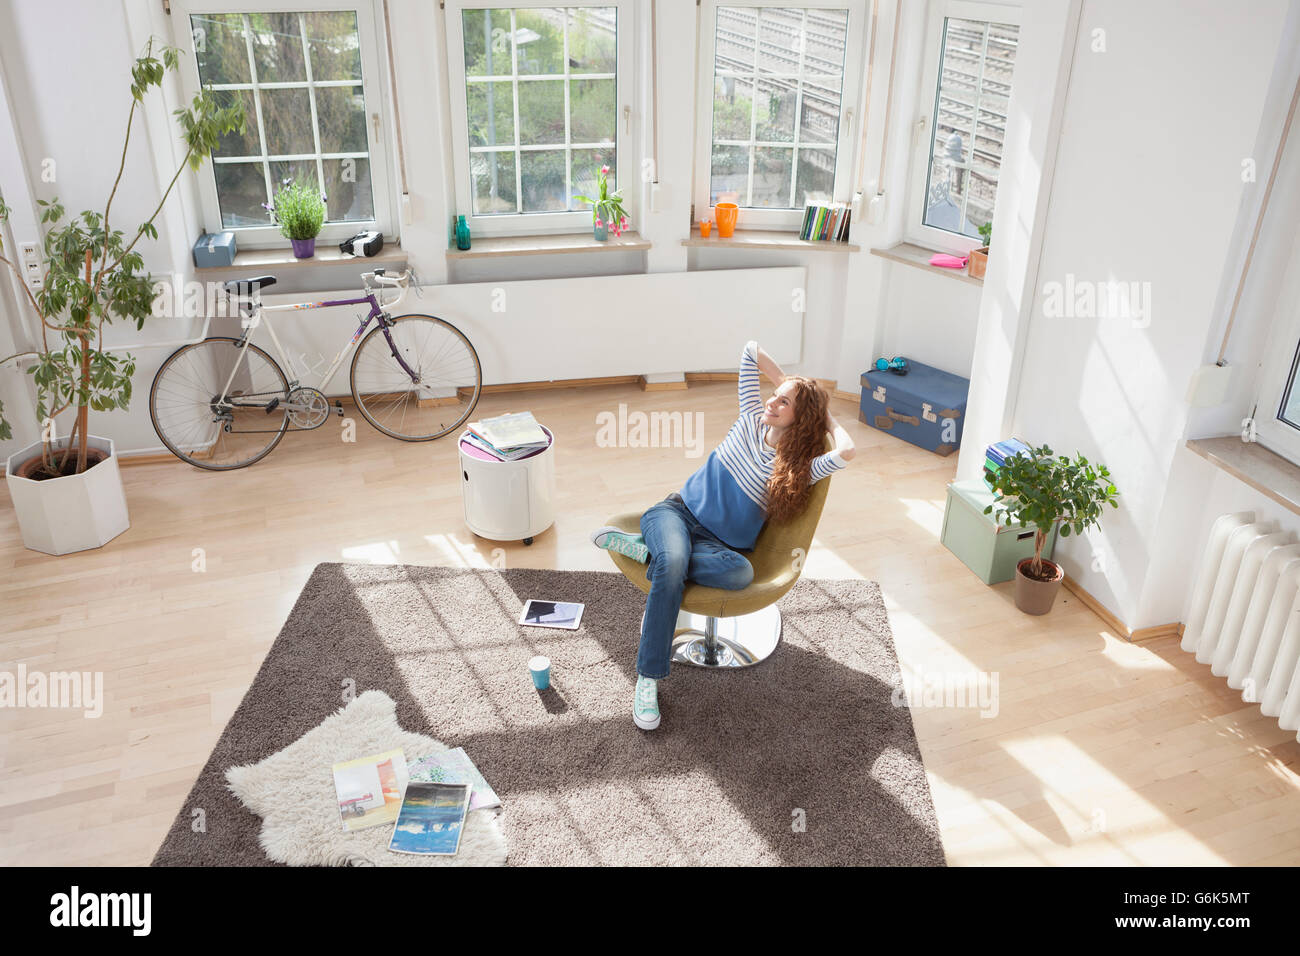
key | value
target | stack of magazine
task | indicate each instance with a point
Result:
(425, 800)
(508, 437)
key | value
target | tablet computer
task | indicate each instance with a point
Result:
(563, 614)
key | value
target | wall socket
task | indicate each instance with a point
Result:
(30, 251)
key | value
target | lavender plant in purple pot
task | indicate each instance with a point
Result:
(299, 211)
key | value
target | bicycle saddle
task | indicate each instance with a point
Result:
(248, 287)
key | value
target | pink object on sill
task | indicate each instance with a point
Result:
(947, 261)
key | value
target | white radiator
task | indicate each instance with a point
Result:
(1245, 614)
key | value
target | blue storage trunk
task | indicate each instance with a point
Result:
(926, 407)
(215, 249)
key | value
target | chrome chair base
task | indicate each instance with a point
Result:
(743, 641)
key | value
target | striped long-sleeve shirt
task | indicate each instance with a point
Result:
(728, 494)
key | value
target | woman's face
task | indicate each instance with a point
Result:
(779, 410)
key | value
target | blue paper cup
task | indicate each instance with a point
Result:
(541, 671)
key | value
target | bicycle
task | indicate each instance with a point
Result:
(414, 377)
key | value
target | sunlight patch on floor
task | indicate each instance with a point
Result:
(377, 552)
(926, 514)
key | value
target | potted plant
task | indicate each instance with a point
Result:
(607, 213)
(979, 258)
(299, 210)
(1036, 489)
(67, 491)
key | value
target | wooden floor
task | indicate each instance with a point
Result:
(1100, 752)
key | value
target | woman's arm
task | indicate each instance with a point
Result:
(767, 365)
(843, 440)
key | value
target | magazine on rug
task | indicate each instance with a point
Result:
(432, 819)
(454, 766)
(370, 789)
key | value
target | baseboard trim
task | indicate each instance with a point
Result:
(661, 386)
(1118, 626)
(689, 378)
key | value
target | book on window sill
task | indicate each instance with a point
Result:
(826, 222)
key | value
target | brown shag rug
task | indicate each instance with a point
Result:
(802, 760)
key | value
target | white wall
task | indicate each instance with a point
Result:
(1146, 189)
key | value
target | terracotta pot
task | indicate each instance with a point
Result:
(1034, 596)
(726, 214)
(979, 261)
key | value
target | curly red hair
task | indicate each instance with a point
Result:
(790, 485)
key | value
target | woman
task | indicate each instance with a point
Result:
(763, 469)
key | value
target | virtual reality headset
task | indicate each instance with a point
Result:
(362, 244)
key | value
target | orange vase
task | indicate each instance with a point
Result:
(725, 214)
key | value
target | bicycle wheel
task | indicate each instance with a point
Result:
(438, 393)
(198, 426)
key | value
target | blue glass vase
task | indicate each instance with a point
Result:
(601, 232)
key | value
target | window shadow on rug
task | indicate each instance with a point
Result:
(802, 760)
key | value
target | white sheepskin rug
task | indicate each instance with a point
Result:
(293, 792)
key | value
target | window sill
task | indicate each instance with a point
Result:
(547, 245)
(252, 260)
(1267, 472)
(913, 255)
(769, 239)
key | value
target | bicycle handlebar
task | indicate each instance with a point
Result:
(401, 281)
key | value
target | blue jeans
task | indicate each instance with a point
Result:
(680, 548)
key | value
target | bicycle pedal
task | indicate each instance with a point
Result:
(271, 406)
(338, 407)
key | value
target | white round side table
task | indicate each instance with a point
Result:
(508, 500)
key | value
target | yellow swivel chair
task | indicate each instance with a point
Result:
(720, 628)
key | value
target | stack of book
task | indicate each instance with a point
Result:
(508, 437)
(828, 222)
(996, 455)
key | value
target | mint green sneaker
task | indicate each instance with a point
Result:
(645, 706)
(612, 539)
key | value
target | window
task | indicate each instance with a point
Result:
(972, 55)
(539, 104)
(305, 78)
(1277, 402)
(773, 122)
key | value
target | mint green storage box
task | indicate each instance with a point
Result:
(990, 549)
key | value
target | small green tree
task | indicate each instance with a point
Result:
(1036, 489)
(986, 232)
(95, 275)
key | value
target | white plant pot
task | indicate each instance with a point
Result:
(72, 513)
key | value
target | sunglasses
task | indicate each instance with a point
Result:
(897, 365)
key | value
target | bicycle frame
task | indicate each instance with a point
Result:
(378, 310)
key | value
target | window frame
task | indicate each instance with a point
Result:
(932, 237)
(374, 73)
(625, 126)
(1283, 349)
(848, 142)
